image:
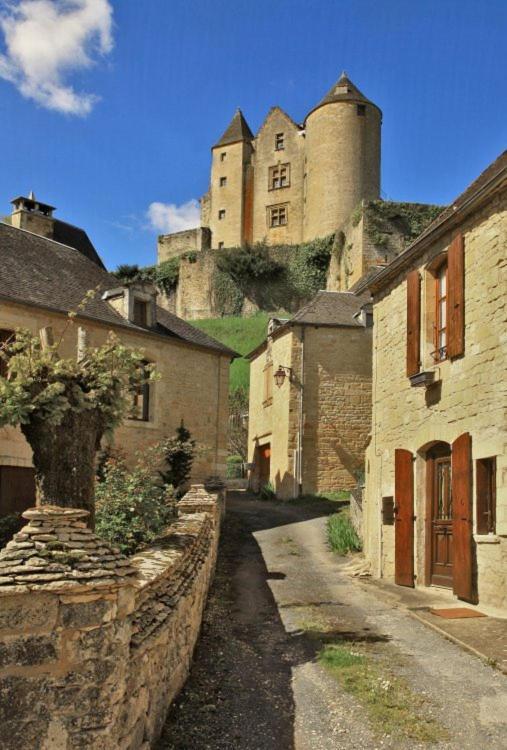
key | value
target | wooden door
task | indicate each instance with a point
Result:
(17, 489)
(404, 518)
(462, 519)
(264, 464)
(440, 529)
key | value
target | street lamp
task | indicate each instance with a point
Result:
(281, 374)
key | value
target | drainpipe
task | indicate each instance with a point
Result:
(301, 412)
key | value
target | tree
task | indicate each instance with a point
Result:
(179, 452)
(238, 422)
(64, 406)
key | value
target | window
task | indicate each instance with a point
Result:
(279, 145)
(141, 402)
(388, 511)
(361, 110)
(277, 216)
(223, 181)
(440, 341)
(223, 155)
(4, 338)
(140, 312)
(268, 384)
(221, 214)
(279, 176)
(220, 245)
(486, 495)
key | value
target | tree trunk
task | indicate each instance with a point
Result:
(64, 459)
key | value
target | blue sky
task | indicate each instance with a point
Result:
(116, 108)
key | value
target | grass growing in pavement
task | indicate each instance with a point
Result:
(393, 708)
(240, 334)
(341, 535)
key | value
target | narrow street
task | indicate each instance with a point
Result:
(278, 598)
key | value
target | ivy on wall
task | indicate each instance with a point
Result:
(164, 275)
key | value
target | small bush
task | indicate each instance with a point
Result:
(132, 505)
(234, 467)
(341, 535)
(179, 454)
(10, 525)
(267, 492)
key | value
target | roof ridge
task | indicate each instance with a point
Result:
(50, 239)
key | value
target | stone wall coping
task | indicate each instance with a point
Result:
(169, 553)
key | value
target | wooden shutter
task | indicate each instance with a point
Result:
(456, 298)
(404, 513)
(413, 323)
(462, 519)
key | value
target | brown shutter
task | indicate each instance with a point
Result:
(462, 515)
(456, 298)
(404, 523)
(413, 323)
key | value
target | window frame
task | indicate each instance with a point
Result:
(440, 350)
(279, 141)
(144, 318)
(222, 182)
(275, 176)
(143, 390)
(223, 155)
(278, 207)
(485, 495)
(221, 214)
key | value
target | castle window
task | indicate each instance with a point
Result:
(221, 214)
(361, 110)
(223, 181)
(279, 176)
(141, 402)
(279, 142)
(223, 155)
(277, 216)
(220, 245)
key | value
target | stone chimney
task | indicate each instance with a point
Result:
(32, 215)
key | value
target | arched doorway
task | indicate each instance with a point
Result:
(439, 516)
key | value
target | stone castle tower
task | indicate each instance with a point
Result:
(290, 182)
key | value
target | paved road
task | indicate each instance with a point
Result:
(255, 683)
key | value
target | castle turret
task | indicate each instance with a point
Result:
(342, 157)
(229, 206)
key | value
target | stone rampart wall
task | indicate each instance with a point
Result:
(94, 647)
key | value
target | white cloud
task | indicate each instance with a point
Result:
(168, 218)
(45, 40)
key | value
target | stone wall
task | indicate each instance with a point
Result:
(172, 245)
(94, 646)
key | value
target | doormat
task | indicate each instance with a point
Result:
(457, 613)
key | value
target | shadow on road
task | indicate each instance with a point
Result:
(239, 694)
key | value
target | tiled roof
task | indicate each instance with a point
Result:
(39, 271)
(343, 91)
(330, 309)
(237, 130)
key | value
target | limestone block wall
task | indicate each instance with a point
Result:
(172, 245)
(337, 406)
(469, 396)
(292, 196)
(93, 653)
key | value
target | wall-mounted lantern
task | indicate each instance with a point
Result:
(281, 374)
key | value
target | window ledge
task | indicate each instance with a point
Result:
(486, 539)
(422, 379)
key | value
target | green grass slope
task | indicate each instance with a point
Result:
(242, 335)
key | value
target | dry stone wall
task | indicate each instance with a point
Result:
(94, 646)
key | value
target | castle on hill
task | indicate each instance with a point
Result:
(289, 183)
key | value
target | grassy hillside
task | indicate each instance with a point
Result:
(242, 335)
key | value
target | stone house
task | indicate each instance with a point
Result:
(435, 509)
(47, 268)
(310, 397)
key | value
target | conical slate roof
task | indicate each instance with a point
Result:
(237, 130)
(343, 91)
